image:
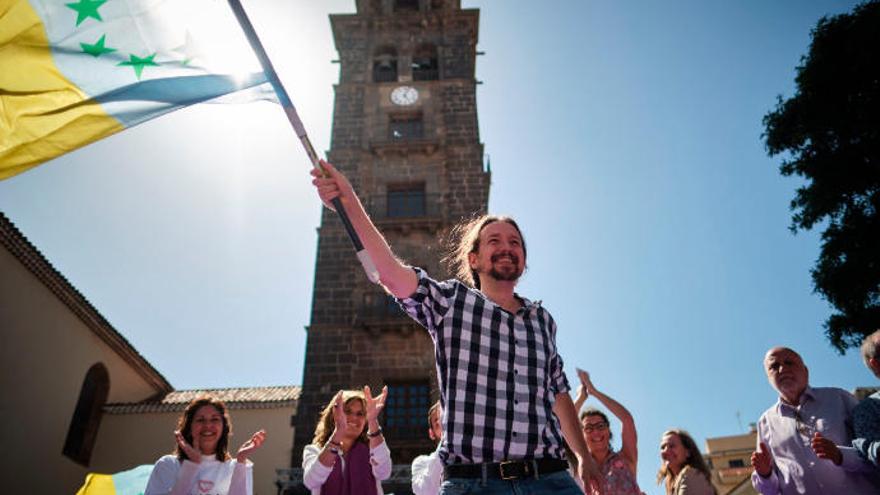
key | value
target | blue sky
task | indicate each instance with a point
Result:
(624, 136)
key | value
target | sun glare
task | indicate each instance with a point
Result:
(214, 40)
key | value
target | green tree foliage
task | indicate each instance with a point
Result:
(829, 134)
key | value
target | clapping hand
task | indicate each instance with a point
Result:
(192, 451)
(585, 381)
(339, 420)
(374, 404)
(250, 446)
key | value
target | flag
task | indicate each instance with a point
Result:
(131, 482)
(75, 71)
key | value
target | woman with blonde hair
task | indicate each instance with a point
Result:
(683, 468)
(348, 454)
(201, 461)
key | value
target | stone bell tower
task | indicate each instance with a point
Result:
(405, 133)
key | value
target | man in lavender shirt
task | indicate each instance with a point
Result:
(804, 440)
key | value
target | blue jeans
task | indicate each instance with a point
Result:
(559, 483)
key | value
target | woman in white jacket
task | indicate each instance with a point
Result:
(348, 455)
(201, 463)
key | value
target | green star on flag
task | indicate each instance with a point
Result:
(139, 63)
(87, 8)
(97, 49)
(78, 86)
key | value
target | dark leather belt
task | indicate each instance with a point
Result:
(506, 470)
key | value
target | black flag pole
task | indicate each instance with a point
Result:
(299, 128)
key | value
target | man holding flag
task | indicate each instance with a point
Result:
(501, 379)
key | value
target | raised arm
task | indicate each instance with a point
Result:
(580, 399)
(399, 279)
(563, 408)
(242, 482)
(629, 438)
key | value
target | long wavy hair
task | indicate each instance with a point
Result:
(326, 423)
(694, 459)
(184, 425)
(464, 239)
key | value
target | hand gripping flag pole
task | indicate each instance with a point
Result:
(296, 122)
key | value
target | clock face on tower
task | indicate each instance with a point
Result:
(404, 95)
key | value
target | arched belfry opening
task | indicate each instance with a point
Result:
(385, 64)
(425, 66)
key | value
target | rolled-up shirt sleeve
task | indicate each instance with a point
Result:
(866, 427)
(430, 301)
(852, 459)
(870, 451)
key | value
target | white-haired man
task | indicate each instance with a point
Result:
(804, 440)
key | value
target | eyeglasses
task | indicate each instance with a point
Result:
(591, 427)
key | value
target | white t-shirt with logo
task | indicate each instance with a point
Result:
(209, 477)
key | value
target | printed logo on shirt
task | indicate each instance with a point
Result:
(205, 485)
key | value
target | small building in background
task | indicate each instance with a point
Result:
(729, 459)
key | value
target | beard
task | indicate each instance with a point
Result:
(510, 273)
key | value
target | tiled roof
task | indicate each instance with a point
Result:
(235, 398)
(29, 256)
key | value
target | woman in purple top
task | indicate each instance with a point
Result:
(619, 468)
(348, 455)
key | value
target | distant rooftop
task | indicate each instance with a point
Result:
(723, 445)
(235, 398)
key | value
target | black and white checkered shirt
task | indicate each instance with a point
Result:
(499, 373)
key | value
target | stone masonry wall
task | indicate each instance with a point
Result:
(348, 346)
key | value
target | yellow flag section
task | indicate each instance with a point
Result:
(75, 71)
(31, 90)
(131, 482)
